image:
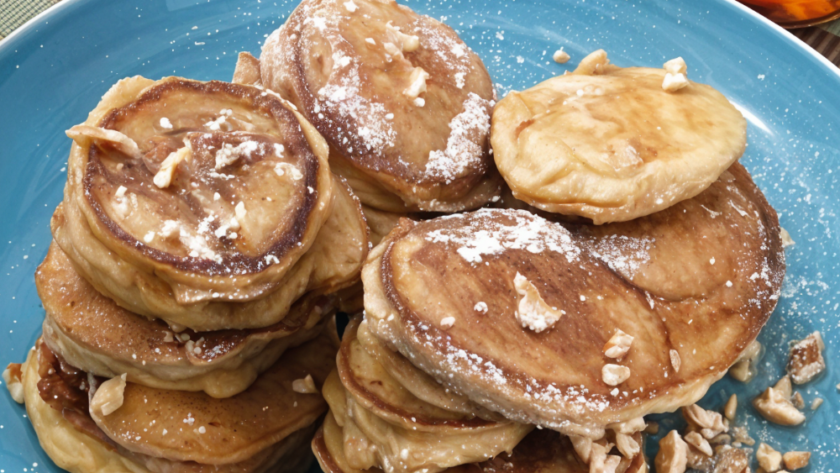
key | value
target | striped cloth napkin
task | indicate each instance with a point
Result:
(13, 13)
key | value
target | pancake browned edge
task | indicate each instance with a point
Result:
(530, 305)
(262, 429)
(208, 205)
(397, 417)
(92, 333)
(542, 451)
(403, 103)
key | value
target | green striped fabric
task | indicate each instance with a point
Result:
(14, 13)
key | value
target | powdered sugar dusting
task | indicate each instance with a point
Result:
(463, 151)
(623, 254)
(547, 397)
(483, 235)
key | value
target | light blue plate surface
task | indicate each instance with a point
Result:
(53, 71)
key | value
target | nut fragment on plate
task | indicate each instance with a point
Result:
(744, 369)
(740, 435)
(786, 239)
(709, 423)
(618, 345)
(796, 460)
(627, 445)
(671, 457)
(797, 400)
(582, 446)
(774, 405)
(697, 441)
(560, 56)
(731, 460)
(806, 359)
(768, 458)
(305, 385)
(12, 378)
(731, 407)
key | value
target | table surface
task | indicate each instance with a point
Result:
(825, 39)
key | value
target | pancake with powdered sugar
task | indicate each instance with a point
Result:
(516, 312)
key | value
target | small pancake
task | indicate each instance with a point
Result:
(350, 67)
(94, 334)
(381, 223)
(306, 231)
(609, 144)
(404, 430)
(79, 446)
(245, 145)
(421, 386)
(694, 283)
(541, 451)
(193, 427)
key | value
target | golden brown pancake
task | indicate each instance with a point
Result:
(179, 252)
(381, 223)
(387, 425)
(609, 144)
(403, 103)
(692, 284)
(94, 334)
(259, 430)
(542, 451)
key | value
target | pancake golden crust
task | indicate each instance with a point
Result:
(372, 386)
(403, 102)
(542, 451)
(693, 284)
(275, 254)
(97, 336)
(223, 431)
(386, 425)
(174, 431)
(609, 144)
(76, 444)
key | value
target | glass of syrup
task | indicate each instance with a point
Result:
(796, 13)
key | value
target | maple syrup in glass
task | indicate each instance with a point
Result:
(796, 13)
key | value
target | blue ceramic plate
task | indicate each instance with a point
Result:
(54, 70)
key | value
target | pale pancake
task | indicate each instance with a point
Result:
(308, 229)
(86, 450)
(381, 223)
(349, 69)
(94, 334)
(697, 281)
(611, 145)
(542, 451)
(402, 430)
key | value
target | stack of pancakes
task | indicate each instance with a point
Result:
(622, 262)
(190, 315)
(627, 261)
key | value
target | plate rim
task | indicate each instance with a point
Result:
(25, 28)
(784, 33)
